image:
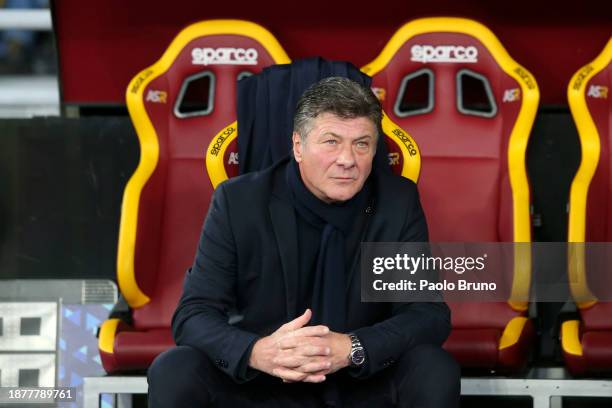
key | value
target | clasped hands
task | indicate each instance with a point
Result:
(296, 352)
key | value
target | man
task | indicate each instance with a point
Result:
(279, 251)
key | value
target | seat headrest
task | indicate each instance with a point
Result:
(455, 64)
(206, 59)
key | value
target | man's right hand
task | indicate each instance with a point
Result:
(308, 362)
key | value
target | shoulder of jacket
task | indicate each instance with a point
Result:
(247, 184)
(396, 186)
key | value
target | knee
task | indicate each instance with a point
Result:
(430, 373)
(440, 364)
(178, 372)
(437, 366)
(176, 362)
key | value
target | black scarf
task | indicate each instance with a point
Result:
(336, 221)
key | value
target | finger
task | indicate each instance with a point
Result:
(315, 367)
(296, 357)
(298, 322)
(290, 342)
(314, 378)
(310, 331)
(305, 350)
(311, 351)
(289, 375)
(322, 372)
(302, 363)
(290, 361)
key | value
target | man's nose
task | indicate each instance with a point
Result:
(346, 157)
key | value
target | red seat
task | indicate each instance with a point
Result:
(587, 342)
(451, 84)
(178, 106)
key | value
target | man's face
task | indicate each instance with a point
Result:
(336, 158)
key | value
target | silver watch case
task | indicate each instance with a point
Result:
(357, 355)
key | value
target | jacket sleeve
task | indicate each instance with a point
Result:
(409, 324)
(201, 318)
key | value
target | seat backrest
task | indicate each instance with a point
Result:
(178, 106)
(590, 202)
(450, 83)
(470, 107)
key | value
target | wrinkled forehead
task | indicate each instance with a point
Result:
(352, 128)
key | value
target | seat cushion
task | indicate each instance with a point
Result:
(597, 350)
(474, 347)
(135, 350)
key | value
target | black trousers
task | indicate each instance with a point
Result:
(425, 377)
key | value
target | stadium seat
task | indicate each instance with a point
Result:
(470, 107)
(587, 341)
(179, 107)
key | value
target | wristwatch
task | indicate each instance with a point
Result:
(357, 355)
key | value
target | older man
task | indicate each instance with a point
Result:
(279, 253)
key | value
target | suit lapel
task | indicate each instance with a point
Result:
(366, 236)
(372, 230)
(284, 225)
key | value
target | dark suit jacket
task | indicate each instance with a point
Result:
(246, 261)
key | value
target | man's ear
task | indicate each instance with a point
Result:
(297, 147)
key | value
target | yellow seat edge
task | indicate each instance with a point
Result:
(106, 337)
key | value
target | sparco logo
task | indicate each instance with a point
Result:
(221, 138)
(580, 78)
(224, 56)
(406, 140)
(139, 81)
(444, 53)
(526, 77)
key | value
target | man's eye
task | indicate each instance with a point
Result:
(362, 144)
(331, 141)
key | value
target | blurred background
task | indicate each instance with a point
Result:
(68, 146)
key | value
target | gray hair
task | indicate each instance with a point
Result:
(340, 96)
